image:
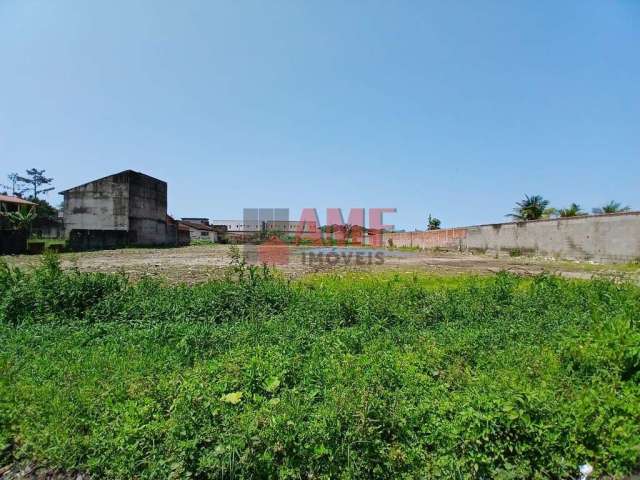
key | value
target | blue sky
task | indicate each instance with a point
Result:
(456, 108)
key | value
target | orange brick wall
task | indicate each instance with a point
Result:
(449, 238)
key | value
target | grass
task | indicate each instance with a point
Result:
(48, 242)
(345, 376)
(622, 268)
(201, 242)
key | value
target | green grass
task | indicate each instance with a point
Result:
(349, 376)
(622, 268)
(48, 241)
(201, 242)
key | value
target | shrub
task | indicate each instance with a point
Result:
(334, 376)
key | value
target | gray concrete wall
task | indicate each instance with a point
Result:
(99, 205)
(81, 240)
(601, 238)
(13, 242)
(127, 201)
(148, 209)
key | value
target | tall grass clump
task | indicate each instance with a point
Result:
(333, 376)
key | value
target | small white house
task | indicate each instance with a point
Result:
(199, 230)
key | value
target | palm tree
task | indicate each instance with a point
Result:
(612, 207)
(531, 208)
(572, 210)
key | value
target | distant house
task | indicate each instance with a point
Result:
(252, 226)
(199, 229)
(9, 203)
(237, 231)
(183, 236)
(126, 208)
(252, 230)
(12, 241)
(196, 220)
(289, 226)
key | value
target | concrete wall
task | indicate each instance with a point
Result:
(148, 209)
(239, 226)
(196, 234)
(183, 237)
(47, 228)
(81, 240)
(13, 242)
(601, 238)
(127, 201)
(99, 205)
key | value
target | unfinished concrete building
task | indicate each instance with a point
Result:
(126, 208)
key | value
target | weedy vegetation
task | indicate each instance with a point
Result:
(334, 376)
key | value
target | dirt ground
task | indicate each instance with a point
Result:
(197, 263)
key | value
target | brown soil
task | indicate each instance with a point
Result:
(198, 263)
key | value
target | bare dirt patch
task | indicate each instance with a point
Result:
(203, 262)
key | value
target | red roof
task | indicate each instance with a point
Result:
(197, 226)
(12, 199)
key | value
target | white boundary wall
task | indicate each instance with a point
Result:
(601, 238)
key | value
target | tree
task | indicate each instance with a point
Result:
(530, 208)
(44, 209)
(22, 219)
(15, 186)
(35, 178)
(433, 223)
(611, 207)
(572, 210)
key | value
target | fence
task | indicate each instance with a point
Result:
(602, 238)
(13, 242)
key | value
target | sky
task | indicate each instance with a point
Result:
(454, 108)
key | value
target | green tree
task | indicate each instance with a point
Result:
(21, 219)
(433, 223)
(15, 186)
(572, 210)
(530, 208)
(43, 208)
(612, 207)
(35, 179)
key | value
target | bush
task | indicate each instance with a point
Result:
(334, 376)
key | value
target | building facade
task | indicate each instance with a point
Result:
(199, 229)
(126, 208)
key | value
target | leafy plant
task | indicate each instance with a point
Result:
(550, 212)
(433, 223)
(35, 179)
(43, 208)
(530, 208)
(15, 186)
(22, 218)
(572, 210)
(611, 207)
(343, 376)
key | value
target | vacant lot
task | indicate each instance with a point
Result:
(331, 376)
(199, 263)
